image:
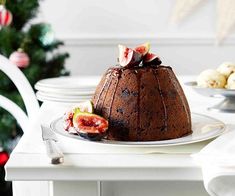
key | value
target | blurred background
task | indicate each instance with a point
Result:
(80, 37)
(92, 29)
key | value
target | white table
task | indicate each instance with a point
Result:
(115, 174)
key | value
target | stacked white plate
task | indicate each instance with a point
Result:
(67, 89)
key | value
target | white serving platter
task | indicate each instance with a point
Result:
(204, 128)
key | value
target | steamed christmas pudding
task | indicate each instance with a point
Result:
(142, 99)
(137, 100)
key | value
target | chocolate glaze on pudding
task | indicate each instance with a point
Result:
(142, 104)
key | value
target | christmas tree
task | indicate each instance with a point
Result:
(41, 58)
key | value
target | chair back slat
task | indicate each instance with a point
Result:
(25, 90)
(15, 111)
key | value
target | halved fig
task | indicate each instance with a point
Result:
(143, 49)
(86, 106)
(128, 57)
(90, 126)
(151, 59)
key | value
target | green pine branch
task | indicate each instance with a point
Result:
(43, 50)
(23, 11)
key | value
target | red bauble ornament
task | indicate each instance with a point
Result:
(4, 156)
(5, 16)
(19, 58)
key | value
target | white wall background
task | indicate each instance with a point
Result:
(92, 29)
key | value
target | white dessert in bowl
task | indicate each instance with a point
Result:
(226, 68)
(211, 79)
(231, 82)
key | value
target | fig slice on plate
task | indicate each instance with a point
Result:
(90, 126)
(151, 59)
(128, 57)
(143, 49)
(86, 106)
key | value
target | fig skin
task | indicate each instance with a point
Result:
(151, 59)
(92, 136)
(129, 57)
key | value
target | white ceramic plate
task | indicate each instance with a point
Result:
(61, 100)
(69, 83)
(62, 96)
(204, 128)
(56, 91)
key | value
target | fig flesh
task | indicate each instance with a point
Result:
(151, 59)
(143, 49)
(128, 57)
(90, 126)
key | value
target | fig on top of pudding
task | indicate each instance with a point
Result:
(142, 99)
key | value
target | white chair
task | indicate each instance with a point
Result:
(32, 107)
(24, 89)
